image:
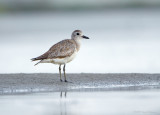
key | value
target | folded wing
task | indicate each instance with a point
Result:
(62, 49)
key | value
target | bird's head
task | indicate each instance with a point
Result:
(77, 35)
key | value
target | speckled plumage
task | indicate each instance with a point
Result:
(63, 51)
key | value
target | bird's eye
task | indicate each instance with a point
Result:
(77, 33)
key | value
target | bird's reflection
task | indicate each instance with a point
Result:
(63, 103)
(61, 94)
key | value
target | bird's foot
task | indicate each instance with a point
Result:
(67, 81)
(61, 80)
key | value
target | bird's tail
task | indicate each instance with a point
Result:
(37, 63)
(35, 59)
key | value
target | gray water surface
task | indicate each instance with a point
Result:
(144, 102)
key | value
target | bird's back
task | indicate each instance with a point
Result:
(61, 49)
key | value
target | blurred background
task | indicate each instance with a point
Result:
(124, 34)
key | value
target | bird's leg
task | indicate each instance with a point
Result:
(64, 72)
(60, 73)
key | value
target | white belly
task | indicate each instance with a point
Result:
(60, 60)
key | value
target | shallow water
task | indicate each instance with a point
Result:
(144, 102)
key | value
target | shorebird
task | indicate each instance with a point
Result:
(62, 52)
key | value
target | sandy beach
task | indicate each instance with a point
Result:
(29, 83)
(96, 94)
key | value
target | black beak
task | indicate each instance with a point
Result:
(85, 37)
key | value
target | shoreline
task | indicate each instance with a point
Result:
(46, 82)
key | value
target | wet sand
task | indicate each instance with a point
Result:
(30, 83)
(96, 94)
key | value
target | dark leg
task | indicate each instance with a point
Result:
(61, 94)
(64, 73)
(60, 73)
(65, 94)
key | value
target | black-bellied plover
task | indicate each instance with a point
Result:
(62, 52)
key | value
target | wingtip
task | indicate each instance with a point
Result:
(33, 59)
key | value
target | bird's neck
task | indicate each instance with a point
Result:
(78, 43)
